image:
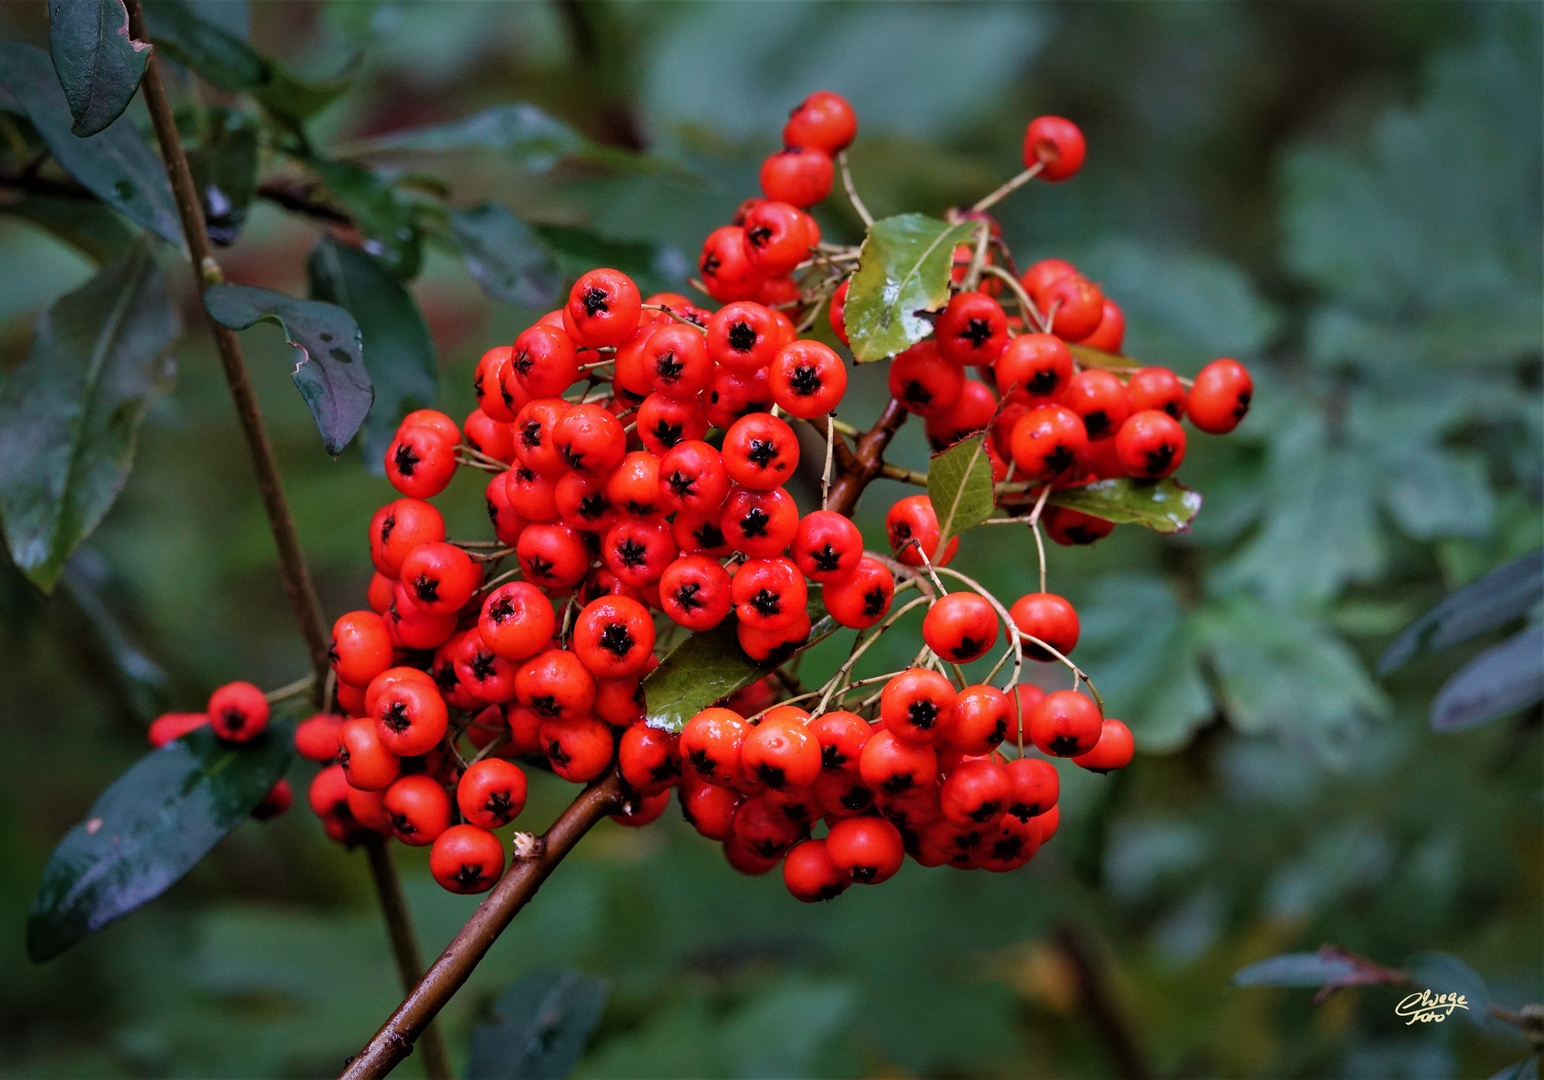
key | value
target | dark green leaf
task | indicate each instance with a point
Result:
(708, 667)
(295, 100)
(1497, 598)
(117, 165)
(138, 681)
(398, 351)
(1305, 969)
(148, 829)
(505, 257)
(224, 165)
(1444, 973)
(70, 413)
(85, 223)
(216, 54)
(903, 270)
(329, 361)
(98, 63)
(389, 224)
(959, 485)
(1502, 679)
(538, 1028)
(1161, 505)
(653, 266)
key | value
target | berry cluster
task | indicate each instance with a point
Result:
(638, 451)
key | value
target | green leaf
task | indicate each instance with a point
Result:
(99, 65)
(654, 267)
(1502, 679)
(1164, 506)
(398, 350)
(224, 166)
(141, 684)
(959, 485)
(86, 224)
(903, 270)
(389, 224)
(538, 1028)
(505, 257)
(148, 829)
(69, 415)
(710, 666)
(296, 100)
(214, 53)
(1306, 969)
(329, 360)
(1500, 596)
(1444, 973)
(116, 164)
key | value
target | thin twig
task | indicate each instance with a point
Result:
(852, 192)
(1009, 188)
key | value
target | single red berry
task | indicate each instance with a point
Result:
(863, 597)
(413, 628)
(809, 873)
(170, 726)
(709, 808)
(838, 313)
(980, 721)
(488, 385)
(485, 675)
(1220, 397)
(391, 677)
(516, 621)
(732, 395)
(692, 478)
(917, 705)
(506, 520)
(807, 379)
(912, 527)
(676, 361)
(552, 556)
(843, 794)
(237, 711)
(666, 422)
(976, 792)
(1046, 442)
(410, 717)
(970, 415)
(842, 736)
(542, 364)
(760, 451)
(556, 685)
(826, 546)
(590, 439)
(1114, 749)
(796, 175)
(1048, 617)
(1157, 388)
(535, 426)
(1111, 331)
(366, 763)
(972, 329)
(1150, 443)
(441, 578)
(640, 810)
(614, 637)
(867, 850)
(1022, 700)
(604, 308)
(745, 860)
(694, 592)
(823, 120)
(491, 793)
(418, 809)
(699, 534)
(633, 486)
(638, 551)
(466, 859)
(649, 759)
(1056, 145)
(960, 626)
(743, 336)
(435, 421)
(710, 745)
(1043, 274)
(368, 809)
(777, 238)
(533, 495)
(769, 594)
(726, 267)
(360, 647)
(765, 829)
(759, 523)
(924, 382)
(1071, 527)
(420, 462)
(316, 739)
(279, 799)
(1100, 399)
(781, 754)
(1009, 845)
(779, 291)
(1065, 724)
(584, 502)
(1036, 787)
(578, 750)
(1038, 364)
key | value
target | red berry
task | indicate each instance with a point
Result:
(924, 382)
(676, 361)
(1113, 750)
(366, 763)
(917, 705)
(777, 238)
(1100, 399)
(488, 385)
(709, 808)
(491, 793)
(694, 592)
(769, 594)
(578, 750)
(743, 336)
(1157, 388)
(970, 415)
(912, 527)
(1069, 527)
(799, 176)
(316, 739)
(1043, 274)
(1150, 443)
(440, 578)
(649, 759)
(863, 597)
(807, 379)
(604, 308)
(842, 736)
(692, 478)
(980, 721)
(759, 523)
(960, 626)
(972, 329)
(781, 754)
(1056, 145)
(732, 395)
(1038, 364)
(238, 711)
(745, 860)
(976, 792)
(170, 726)
(279, 798)
(1065, 724)
(665, 422)
(466, 859)
(760, 451)
(516, 621)
(420, 462)
(1048, 617)
(556, 685)
(481, 672)
(710, 745)
(418, 809)
(552, 556)
(1036, 787)
(726, 267)
(838, 313)
(641, 810)
(1220, 396)
(699, 534)
(809, 873)
(1073, 304)
(584, 503)
(543, 363)
(1047, 441)
(638, 551)
(614, 637)
(535, 425)
(826, 546)
(410, 717)
(867, 850)
(435, 421)
(1111, 332)
(823, 120)
(590, 439)
(763, 828)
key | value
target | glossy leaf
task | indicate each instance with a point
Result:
(1164, 506)
(398, 350)
(116, 164)
(85, 224)
(1306, 969)
(329, 361)
(224, 165)
(1502, 679)
(1497, 598)
(959, 485)
(538, 1028)
(505, 257)
(70, 414)
(903, 271)
(653, 266)
(148, 829)
(389, 224)
(708, 667)
(98, 63)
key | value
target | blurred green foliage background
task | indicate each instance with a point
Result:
(1344, 196)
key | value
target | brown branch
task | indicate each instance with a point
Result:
(868, 462)
(297, 198)
(404, 945)
(394, 1041)
(1101, 1008)
(292, 563)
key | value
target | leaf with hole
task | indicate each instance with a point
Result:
(116, 164)
(1500, 596)
(150, 828)
(505, 257)
(903, 271)
(1501, 680)
(1164, 506)
(70, 414)
(959, 485)
(398, 350)
(538, 1028)
(98, 63)
(329, 356)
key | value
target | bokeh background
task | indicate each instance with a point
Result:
(1345, 196)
